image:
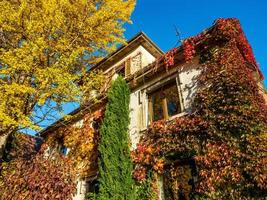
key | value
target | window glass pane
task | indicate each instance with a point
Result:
(173, 104)
(157, 106)
(169, 92)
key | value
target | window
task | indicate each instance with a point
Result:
(92, 186)
(125, 68)
(164, 102)
(61, 148)
(121, 70)
(179, 180)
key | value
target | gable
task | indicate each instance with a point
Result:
(140, 45)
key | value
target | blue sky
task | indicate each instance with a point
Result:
(157, 19)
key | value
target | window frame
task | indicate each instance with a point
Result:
(161, 84)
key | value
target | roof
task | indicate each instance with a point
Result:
(139, 39)
(62, 121)
(142, 39)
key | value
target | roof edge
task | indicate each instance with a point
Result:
(129, 42)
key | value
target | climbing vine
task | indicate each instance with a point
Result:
(169, 58)
(33, 174)
(81, 140)
(224, 137)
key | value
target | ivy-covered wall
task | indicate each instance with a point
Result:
(216, 151)
(225, 134)
(27, 172)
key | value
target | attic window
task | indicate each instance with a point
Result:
(164, 102)
(125, 68)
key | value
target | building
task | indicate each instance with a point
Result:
(162, 87)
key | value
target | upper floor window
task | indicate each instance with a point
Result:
(124, 69)
(164, 102)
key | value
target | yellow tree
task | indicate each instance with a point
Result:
(46, 46)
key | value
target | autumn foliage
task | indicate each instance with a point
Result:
(225, 134)
(32, 174)
(46, 47)
(81, 141)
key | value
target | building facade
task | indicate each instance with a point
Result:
(162, 87)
